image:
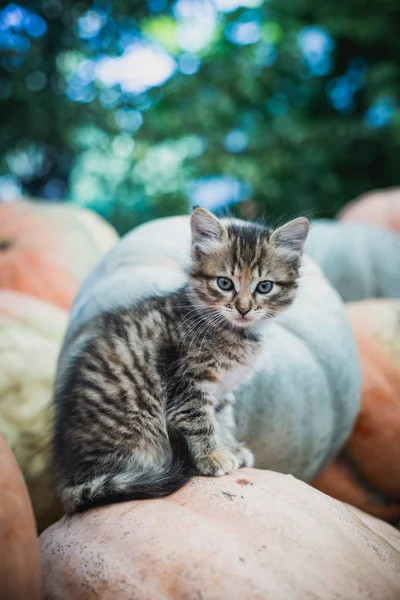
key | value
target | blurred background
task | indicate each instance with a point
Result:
(139, 109)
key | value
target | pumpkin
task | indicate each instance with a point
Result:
(367, 474)
(358, 259)
(250, 535)
(47, 249)
(19, 550)
(379, 207)
(297, 411)
(30, 337)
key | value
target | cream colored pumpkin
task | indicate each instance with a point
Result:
(30, 337)
(252, 535)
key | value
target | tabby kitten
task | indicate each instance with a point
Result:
(148, 402)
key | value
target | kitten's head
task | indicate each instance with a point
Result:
(242, 271)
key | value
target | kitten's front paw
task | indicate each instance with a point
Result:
(244, 455)
(219, 462)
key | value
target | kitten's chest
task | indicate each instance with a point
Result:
(229, 375)
(229, 379)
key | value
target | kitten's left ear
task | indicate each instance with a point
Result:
(207, 231)
(292, 235)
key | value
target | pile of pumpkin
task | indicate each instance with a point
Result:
(46, 250)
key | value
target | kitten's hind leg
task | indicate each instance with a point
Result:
(195, 419)
(226, 419)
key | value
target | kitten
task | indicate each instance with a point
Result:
(149, 401)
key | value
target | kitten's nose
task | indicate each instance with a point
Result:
(243, 310)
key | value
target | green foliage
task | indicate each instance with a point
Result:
(295, 101)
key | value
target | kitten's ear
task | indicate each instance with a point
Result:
(292, 235)
(207, 231)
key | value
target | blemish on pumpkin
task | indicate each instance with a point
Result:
(243, 482)
(5, 245)
(229, 496)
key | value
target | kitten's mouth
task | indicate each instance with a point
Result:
(239, 320)
(242, 321)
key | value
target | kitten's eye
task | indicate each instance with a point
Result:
(264, 287)
(225, 284)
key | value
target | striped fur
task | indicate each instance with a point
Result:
(148, 403)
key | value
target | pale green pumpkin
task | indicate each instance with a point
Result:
(298, 410)
(360, 260)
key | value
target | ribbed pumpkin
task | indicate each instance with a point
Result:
(30, 337)
(19, 550)
(361, 261)
(299, 409)
(252, 535)
(47, 249)
(367, 474)
(380, 207)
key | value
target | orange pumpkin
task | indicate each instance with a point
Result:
(250, 535)
(367, 474)
(19, 549)
(380, 207)
(47, 249)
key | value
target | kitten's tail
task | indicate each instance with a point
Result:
(132, 485)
